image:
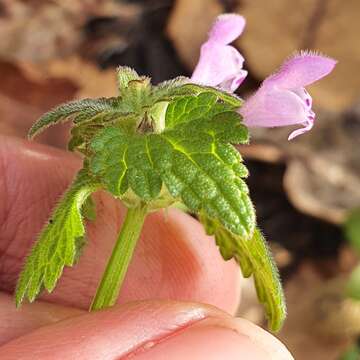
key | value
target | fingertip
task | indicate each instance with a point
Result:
(274, 347)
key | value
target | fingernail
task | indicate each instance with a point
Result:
(270, 344)
(207, 339)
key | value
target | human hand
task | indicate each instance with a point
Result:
(174, 260)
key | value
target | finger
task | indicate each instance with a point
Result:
(148, 330)
(17, 322)
(174, 258)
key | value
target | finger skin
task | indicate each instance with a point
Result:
(147, 330)
(17, 322)
(174, 259)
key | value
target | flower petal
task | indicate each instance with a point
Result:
(301, 70)
(218, 64)
(301, 131)
(234, 82)
(273, 107)
(227, 28)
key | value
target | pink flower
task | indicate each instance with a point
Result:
(221, 64)
(282, 99)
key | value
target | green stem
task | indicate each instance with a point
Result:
(113, 277)
(353, 284)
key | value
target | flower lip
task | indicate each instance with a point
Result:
(233, 81)
(282, 99)
(301, 69)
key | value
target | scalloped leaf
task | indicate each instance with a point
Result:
(193, 158)
(195, 89)
(80, 110)
(59, 243)
(254, 258)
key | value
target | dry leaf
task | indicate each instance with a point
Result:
(188, 26)
(277, 28)
(28, 90)
(42, 30)
(90, 80)
(24, 99)
(317, 318)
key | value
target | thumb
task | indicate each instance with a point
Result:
(148, 330)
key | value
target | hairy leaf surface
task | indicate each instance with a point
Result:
(58, 245)
(193, 157)
(79, 110)
(254, 258)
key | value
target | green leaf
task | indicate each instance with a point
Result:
(125, 74)
(157, 115)
(58, 245)
(192, 157)
(138, 94)
(167, 89)
(254, 258)
(88, 210)
(352, 353)
(353, 284)
(189, 108)
(169, 85)
(122, 161)
(352, 229)
(194, 89)
(80, 110)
